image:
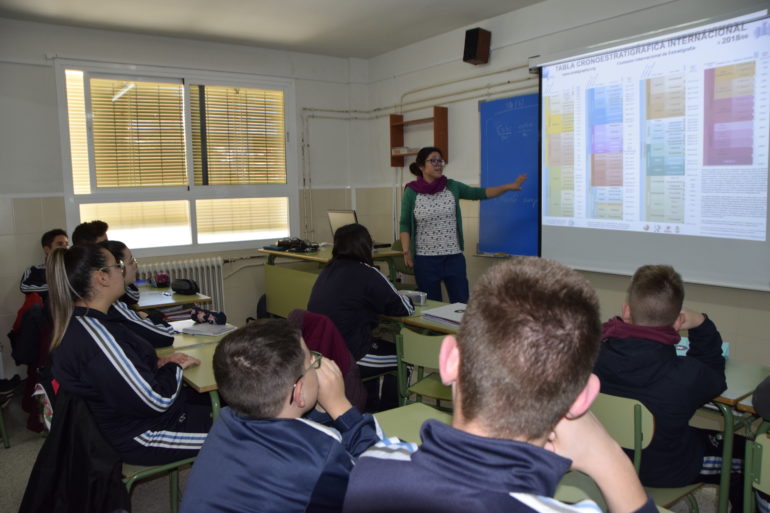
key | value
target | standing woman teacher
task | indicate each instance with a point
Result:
(431, 225)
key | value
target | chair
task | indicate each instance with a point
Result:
(135, 473)
(78, 470)
(421, 351)
(3, 432)
(756, 467)
(287, 289)
(632, 425)
(401, 267)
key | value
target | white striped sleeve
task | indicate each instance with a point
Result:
(404, 300)
(126, 368)
(550, 505)
(129, 314)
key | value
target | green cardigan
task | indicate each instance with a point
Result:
(458, 189)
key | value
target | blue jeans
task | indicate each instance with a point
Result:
(430, 271)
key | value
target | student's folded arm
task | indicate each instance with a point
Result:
(359, 431)
(133, 388)
(706, 345)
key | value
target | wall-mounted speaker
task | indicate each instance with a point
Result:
(477, 46)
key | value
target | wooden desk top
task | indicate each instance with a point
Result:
(418, 320)
(324, 254)
(742, 378)
(201, 377)
(152, 297)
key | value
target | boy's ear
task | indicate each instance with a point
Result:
(449, 360)
(679, 321)
(625, 313)
(585, 398)
(299, 398)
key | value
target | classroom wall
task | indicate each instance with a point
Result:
(31, 196)
(343, 162)
(424, 70)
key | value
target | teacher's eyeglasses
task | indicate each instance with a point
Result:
(436, 162)
(119, 264)
(315, 363)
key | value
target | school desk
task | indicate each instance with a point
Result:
(418, 320)
(324, 254)
(153, 297)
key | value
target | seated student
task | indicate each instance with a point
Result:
(261, 454)
(638, 359)
(352, 293)
(520, 370)
(159, 335)
(33, 279)
(90, 232)
(121, 252)
(97, 354)
(761, 402)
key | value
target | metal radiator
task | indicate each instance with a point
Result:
(207, 272)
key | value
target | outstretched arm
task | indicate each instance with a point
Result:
(493, 192)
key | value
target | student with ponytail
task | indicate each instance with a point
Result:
(431, 225)
(136, 398)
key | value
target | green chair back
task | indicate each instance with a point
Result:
(422, 352)
(756, 467)
(287, 289)
(632, 425)
(628, 421)
(134, 473)
(3, 432)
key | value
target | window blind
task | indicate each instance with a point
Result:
(238, 135)
(138, 133)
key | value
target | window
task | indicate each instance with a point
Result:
(179, 160)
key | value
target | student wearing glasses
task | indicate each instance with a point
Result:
(136, 398)
(158, 334)
(431, 225)
(264, 453)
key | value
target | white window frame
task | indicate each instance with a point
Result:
(188, 193)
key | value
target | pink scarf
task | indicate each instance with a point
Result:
(616, 328)
(420, 186)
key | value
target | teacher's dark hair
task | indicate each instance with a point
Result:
(422, 155)
(352, 242)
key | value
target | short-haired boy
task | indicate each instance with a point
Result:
(33, 279)
(520, 370)
(90, 232)
(262, 454)
(638, 359)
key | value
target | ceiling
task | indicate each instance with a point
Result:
(341, 28)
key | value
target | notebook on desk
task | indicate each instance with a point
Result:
(339, 218)
(447, 314)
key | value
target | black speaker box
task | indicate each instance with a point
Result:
(477, 46)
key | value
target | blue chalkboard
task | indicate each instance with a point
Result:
(510, 132)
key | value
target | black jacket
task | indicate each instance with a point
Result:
(76, 470)
(352, 294)
(672, 387)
